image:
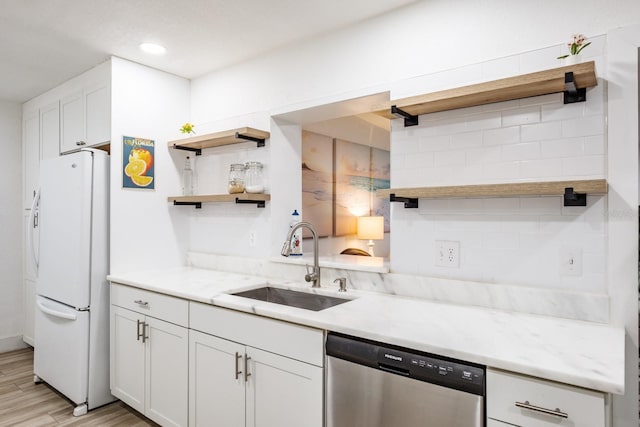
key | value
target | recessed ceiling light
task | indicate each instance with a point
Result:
(153, 48)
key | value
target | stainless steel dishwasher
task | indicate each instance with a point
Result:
(371, 384)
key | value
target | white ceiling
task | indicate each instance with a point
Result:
(45, 42)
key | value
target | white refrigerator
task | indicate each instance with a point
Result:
(72, 292)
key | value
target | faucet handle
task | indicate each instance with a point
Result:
(343, 284)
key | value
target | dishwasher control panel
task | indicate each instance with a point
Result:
(456, 374)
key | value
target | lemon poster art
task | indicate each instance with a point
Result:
(137, 163)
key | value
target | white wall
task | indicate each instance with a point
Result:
(146, 232)
(433, 45)
(10, 226)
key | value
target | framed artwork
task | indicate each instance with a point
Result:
(317, 183)
(137, 163)
(352, 185)
(339, 183)
(380, 179)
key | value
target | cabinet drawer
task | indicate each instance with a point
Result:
(165, 307)
(582, 407)
(293, 341)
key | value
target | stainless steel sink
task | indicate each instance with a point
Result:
(308, 301)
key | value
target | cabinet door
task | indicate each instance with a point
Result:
(31, 156)
(29, 292)
(127, 358)
(72, 125)
(216, 382)
(283, 392)
(167, 364)
(97, 104)
(50, 130)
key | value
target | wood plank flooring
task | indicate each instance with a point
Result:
(23, 403)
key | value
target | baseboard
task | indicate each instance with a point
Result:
(11, 343)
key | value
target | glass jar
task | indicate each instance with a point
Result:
(236, 178)
(254, 182)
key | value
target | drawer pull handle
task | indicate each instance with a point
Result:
(142, 303)
(238, 357)
(557, 412)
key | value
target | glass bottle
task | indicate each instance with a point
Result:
(253, 178)
(236, 178)
(187, 178)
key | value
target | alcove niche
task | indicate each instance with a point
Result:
(334, 131)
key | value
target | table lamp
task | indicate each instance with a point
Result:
(370, 228)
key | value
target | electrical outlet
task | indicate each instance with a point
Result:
(252, 239)
(570, 261)
(447, 253)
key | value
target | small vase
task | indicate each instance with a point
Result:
(573, 59)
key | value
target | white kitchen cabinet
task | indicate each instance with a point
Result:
(50, 131)
(519, 400)
(85, 118)
(149, 355)
(30, 155)
(233, 382)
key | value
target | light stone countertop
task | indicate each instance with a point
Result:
(580, 353)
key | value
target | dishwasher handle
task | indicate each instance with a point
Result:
(393, 370)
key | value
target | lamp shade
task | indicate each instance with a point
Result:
(371, 227)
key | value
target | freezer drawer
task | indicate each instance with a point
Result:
(62, 357)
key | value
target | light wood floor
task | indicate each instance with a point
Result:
(23, 403)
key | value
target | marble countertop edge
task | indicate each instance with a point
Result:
(528, 344)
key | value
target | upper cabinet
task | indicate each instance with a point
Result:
(85, 115)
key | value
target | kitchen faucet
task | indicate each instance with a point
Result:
(286, 251)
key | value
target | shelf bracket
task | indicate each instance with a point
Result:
(259, 141)
(409, 203)
(572, 94)
(574, 199)
(198, 205)
(258, 203)
(409, 119)
(198, 151)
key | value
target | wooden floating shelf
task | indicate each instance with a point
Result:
(522, 86)
(197, 200)
(218, 139)
(551, 188)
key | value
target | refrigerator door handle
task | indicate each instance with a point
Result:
(33, 218)
(55, 313)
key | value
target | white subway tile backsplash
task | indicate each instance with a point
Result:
(466, 140)
(583, 166)
(521, 116)
(568, 147)
(500, 68)
(523, 151)
(487, 120)
(501, 136)
(514, 240)
(419, 161)
(541, 59)
(560, 111)
(541, 131)
(542, 168)
(500, 172)
(434, 143)
(594, 145)
(550, 205)
(479, 156)
(583, 126)
(449, 158)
